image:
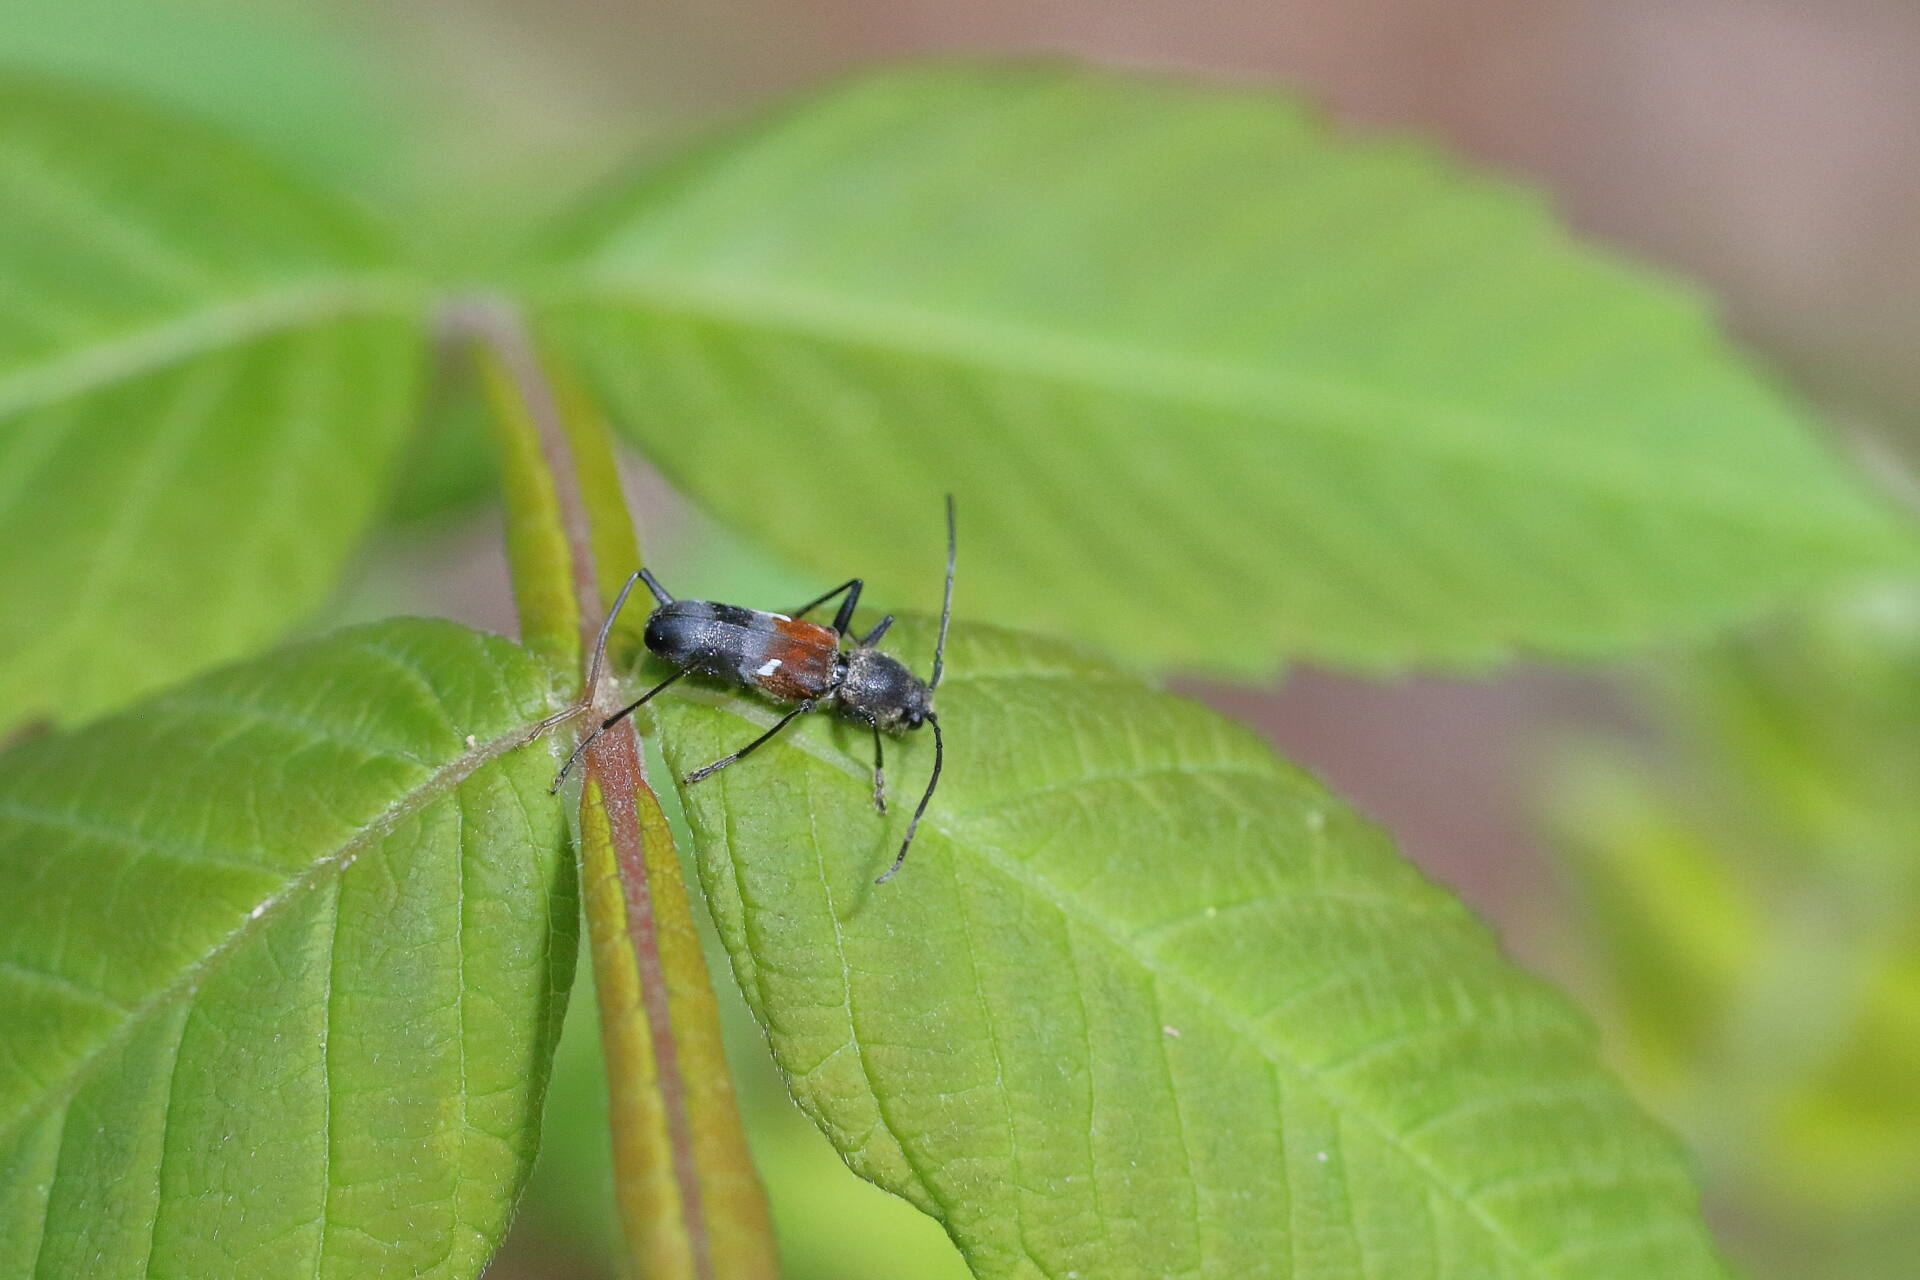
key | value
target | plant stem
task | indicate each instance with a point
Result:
(691, 1206)
(689, 1199)
(522, 392)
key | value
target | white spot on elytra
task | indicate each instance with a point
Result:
(1172, 1031)
(1321, 1156)
(471, 743)
(768, 667)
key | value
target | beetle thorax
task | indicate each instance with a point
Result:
(878, 688)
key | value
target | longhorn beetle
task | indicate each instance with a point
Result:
(795, 661)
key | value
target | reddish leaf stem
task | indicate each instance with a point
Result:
(613, 764)
(499, 324)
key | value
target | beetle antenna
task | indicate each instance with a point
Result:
(606, 629)
(946, 605)
(659, 592)
(593, 669)
(939, 751)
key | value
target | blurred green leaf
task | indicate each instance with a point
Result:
(286, 75)
(207, 374)
(449, 472)
(1754, 902)
(283, 958)
(1145, 1001)
(570, 1194)
(1160, 339)
(709, 560)
(1682, 928)
(1813, 726)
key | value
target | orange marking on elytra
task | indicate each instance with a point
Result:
(808, 634)
(797, 661)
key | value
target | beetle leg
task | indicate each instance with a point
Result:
(708, 771)
(607, 724)
(852, 585)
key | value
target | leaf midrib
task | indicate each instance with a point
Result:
(1072, 909)
(323, 870)
(1306, 402)
(176, 338)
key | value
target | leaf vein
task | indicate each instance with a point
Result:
(214, 327)
(326, 1081)
(1159, 1036)
(956, 829)
(1306, 403)
(166, 1137)
(58, 983)
(324, 870)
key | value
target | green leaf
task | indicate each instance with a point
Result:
(283, 956)
(449, 474)
(298, 85)
(1145, 1001)
(206, 376)
(1181, 350)
(813, 1196)
(1682, 927)
(1752, 904)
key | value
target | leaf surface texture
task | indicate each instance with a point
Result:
(1159, 337)
(283, 957)
(1147, 1002)
(206, 376)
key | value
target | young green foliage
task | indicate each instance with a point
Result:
(285, 77)
(206, 374)
(1146, 1001)
(280, 953)
(691, 1206)
(283, 958)
(1756, 903)
(1158, 338)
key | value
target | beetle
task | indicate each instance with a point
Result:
(793, 661)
